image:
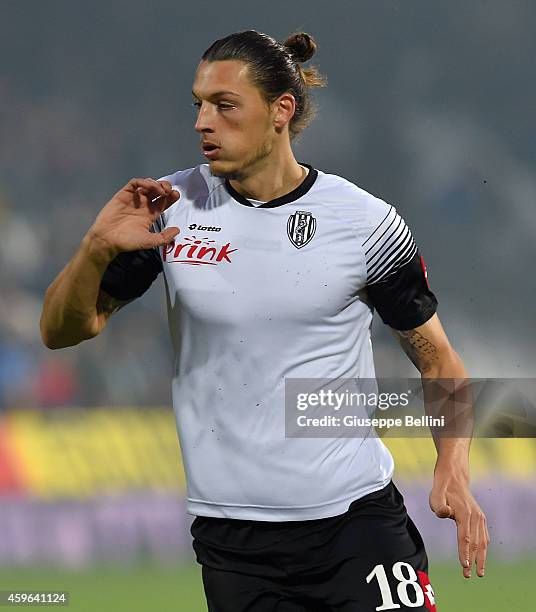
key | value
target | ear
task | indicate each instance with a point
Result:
(283, 110)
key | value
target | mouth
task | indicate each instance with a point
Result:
(210, 150)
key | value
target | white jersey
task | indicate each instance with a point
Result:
(262, 292)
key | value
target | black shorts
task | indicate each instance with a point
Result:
(370, 558)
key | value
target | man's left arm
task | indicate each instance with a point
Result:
(429, 349)
(397, 287)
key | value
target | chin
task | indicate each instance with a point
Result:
(239, 170)
(225, 170)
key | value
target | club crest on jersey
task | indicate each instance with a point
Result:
(301, 227)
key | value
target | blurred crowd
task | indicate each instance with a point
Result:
(439, 124)
(44, 212)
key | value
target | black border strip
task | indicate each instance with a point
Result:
(295, 194)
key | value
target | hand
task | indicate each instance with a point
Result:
(451, 498)
(123, 224)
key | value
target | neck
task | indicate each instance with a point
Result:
(274, 176)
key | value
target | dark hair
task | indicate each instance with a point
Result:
(275, 68)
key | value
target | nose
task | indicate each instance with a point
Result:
(203, 123)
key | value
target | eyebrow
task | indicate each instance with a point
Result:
(218, 93)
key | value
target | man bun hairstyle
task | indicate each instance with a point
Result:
(301, 46)
(275, 68)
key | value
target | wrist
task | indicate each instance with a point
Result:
(97, 249)
(452, 468)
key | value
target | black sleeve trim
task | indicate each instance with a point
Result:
(130, 274)
(404, 300)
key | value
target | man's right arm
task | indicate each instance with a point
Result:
(76, 307)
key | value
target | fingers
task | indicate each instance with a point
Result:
(168, 234)
(456, 502)
(159, 193)
(173, 197)
(164, 237)
(162, 203)
(148, 187)
(444, 511)
(463, 523)
(482, 547)
(166, 191)
(439, 505)
(474, 543)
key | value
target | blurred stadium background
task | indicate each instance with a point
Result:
(430, 106)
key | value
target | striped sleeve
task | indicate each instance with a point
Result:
(158, 225)
(389, 247)
(397, 285)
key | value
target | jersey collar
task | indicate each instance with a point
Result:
(300, 191)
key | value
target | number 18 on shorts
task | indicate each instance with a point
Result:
(401, 587)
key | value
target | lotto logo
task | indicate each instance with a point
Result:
(204, 228)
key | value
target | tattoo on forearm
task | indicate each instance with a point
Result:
(419, 349)
(108, 305)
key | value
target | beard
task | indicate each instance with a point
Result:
(240, 170)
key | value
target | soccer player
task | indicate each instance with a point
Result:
(273, 270)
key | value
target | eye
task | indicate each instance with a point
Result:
(196, 103)
(225, 106)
